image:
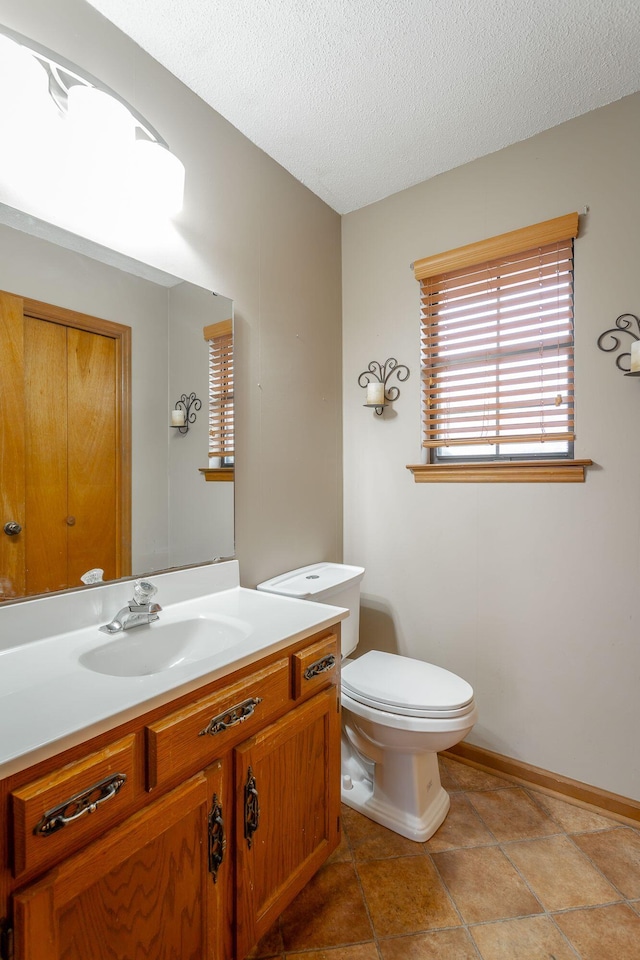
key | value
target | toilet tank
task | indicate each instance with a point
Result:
(334, 583)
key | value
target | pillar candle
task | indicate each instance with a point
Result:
(635, 357)
(375, 393)
(177, 418)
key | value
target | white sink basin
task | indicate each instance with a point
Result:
(158, 646)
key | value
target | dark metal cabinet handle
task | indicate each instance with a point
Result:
(231, 717)
(79, 805)
(217, 839)
(251, 807)
(12, 529)
(323, 665)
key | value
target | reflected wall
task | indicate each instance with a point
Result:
(177, 518)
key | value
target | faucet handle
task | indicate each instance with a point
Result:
(143, 591)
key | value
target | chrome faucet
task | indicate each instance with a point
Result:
(139, 610)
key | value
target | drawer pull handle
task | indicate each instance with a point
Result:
(79, 804)
(217, 839)
(323, 665)
(251, 807)
(238, 714)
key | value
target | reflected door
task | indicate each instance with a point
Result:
(61, 455)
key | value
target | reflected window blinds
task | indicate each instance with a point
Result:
(221, 424)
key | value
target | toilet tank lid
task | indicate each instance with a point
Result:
(312, 582)
(401, 684)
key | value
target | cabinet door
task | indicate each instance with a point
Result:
(141, 892)
(287, 811)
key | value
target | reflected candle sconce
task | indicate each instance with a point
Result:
(623, 324)
(184, 412)
(375, 379)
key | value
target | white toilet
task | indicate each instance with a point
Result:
(397, 713)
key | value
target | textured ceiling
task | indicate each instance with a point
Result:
(361, 98)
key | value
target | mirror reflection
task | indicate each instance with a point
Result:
(93, 360)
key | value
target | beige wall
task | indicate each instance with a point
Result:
(529, 591)
(200, 513)
(253, 233)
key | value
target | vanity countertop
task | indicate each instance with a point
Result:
(50, 701)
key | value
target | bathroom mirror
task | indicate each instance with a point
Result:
(178, 517)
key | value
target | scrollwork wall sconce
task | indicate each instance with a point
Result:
(623, 324)
(375, 379)
(184, 412)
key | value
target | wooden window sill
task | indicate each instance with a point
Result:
(502, 471)
(217, 474)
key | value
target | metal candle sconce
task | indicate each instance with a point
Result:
(188, 406)
(623, 325)
(377, 373)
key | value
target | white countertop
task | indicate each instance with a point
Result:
(49, 701)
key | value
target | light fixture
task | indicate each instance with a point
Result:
(66, 133)
(623, 324)
(184, 412)
(375, 379)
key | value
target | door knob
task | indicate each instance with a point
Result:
(12, 529)
(70, 521)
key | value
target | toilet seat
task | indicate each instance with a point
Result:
(402, 686)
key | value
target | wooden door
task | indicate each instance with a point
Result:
(45, 461)
(65, 461)
(287, 812)
(142, 891)
(92, 456)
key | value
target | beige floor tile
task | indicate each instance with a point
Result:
(511, 814)
(461, 828)
(328, 912)
(437, 945)
(635, 905)
(405, 896)
(570, 816)
(343, 851)
(469, 778)
(448, 774)
(531, 938)
(603, 933)
(269, 946)
(559, 874)
(360, 951)
(371, 841)
(484, 885)
(617, 853)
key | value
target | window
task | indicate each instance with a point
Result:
(221, 421)
(497, 347)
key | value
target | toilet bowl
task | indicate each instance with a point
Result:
(397, 713)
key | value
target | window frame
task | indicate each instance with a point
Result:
(498, 466)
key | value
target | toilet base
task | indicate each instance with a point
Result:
(359, 793)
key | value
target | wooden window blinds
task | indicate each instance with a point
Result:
(497, 343)
(221, 420)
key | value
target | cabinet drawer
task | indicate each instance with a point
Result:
(58, 813)
(315, 667)
(189, 739)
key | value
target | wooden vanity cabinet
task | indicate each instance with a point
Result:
(140, 890)
(204, 852)
(287, 782)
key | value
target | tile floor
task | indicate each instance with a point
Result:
(511, 875)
